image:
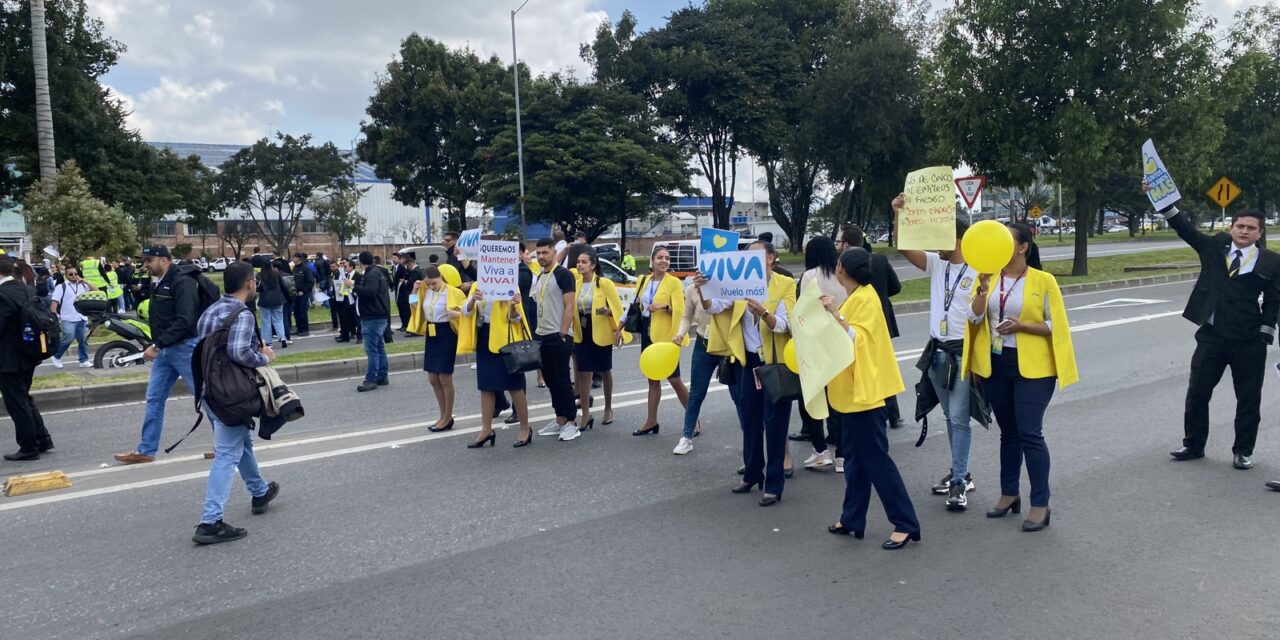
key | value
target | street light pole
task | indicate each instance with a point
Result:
(515, 71)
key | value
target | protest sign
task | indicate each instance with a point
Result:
(928, 218)
(1164, 193)
(818, 336)
(498, 269)
(469, 244)
(734, 275)
(718, 241)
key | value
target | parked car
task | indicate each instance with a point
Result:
(1117, 228)
(220, 264)
(608, 251)
(203, 263)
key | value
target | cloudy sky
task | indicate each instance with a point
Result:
(232, 71)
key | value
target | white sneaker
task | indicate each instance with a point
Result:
(819, 460)
(684, 446)
(839, 465)
(570, 432)
(552, 428)
(57, 362)
(86, 365)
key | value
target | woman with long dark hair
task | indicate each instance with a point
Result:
(820, 259)
(661, 306)
(596, 330)
(272, 296)
(1022, 344)
(857, 396)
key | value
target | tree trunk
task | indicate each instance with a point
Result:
(44, 106)
(1084, 210)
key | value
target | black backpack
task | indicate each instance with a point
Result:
(41, 328)
(229, 388)
(207, 292)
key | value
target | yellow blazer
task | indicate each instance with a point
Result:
(725, 338)
(874, 374)
(418, 314)
(602, 327)
(1038, 356)
(498, 326)
(663, 325)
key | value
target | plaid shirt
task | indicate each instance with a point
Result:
(242, 338)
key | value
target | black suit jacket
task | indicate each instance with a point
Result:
(13, 295)
(886, 282)
(1231, 302)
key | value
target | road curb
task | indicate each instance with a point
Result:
(136, 390)
(917, 306)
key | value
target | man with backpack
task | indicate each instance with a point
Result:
(228, 331)
(18, 359)
(178, 295)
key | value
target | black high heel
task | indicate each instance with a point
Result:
(1030, 526)
(524, 443)
(890, 545)
(589, 425)
(770, 499)
(609, 420)
(838, 529)
(651, 431)
(746, 487)
(492, 440)
(1015, 506)
(444, 428)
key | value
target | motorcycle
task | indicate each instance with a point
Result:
(135, 334)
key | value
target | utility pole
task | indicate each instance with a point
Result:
(515, 71)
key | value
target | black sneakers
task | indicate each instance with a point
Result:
(382, 382)
(260, 504)
(367, 385)
(943, 488)
(217, 532)
(956, 498)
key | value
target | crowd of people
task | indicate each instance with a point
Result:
(999, 346)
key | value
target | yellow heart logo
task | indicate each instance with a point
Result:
(719, 241)
(1150, 166)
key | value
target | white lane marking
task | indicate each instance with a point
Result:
(1116, 303)
(155, 482)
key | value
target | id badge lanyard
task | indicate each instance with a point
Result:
(430, 312)
(948, 296)
(997, 340)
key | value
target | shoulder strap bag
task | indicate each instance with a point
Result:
(522, 356)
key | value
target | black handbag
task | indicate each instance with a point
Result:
(521, 357)
(632, 321)
(780, 383)
(727, 373)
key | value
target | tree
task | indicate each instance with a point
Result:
(44, 107)
(62, 212)
(338, 212)
(236, 234)
(273, 182)
(1073, 88)
(428, 119)
(1251, 151)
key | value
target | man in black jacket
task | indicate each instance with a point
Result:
(1234, 329)
(175, 308)
(303, 281)
(410, 274)
(373, 304)
(17, 368)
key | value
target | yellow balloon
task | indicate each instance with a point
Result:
(450, 275)
(987, 246)
(659, 360)
(789, 357)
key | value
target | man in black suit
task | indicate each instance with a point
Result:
(409, 275)
(1234, 329)
(17, 367)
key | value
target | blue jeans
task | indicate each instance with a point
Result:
(374, 349)
(232, 449)
(955, 406)
(272, 323)
(173, 361)
(77, 331)
(704, 365)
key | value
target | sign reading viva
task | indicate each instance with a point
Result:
(468, 243)
(1163, 193)
(734, 275)
(498, 268)
(928, 219)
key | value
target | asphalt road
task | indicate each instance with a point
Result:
(908, 272)
(383, 530)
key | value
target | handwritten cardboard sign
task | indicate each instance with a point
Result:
(498, 268)
(928, 219)
(734, 275)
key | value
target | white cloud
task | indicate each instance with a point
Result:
(203, 30)
(179, 112)
(275, 106)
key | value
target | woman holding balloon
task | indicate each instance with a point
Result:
(1023, 345)
(486, 327)
(857, 397)
(436, 314)
(751, 333)
(595, 333)
(661, 306)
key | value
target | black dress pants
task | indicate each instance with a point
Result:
(1248, 362)
(556, 354)
(28, 426)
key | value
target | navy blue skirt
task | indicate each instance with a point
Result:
(491, 370)
(590, 356)
(645, 341)
(441, 350)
